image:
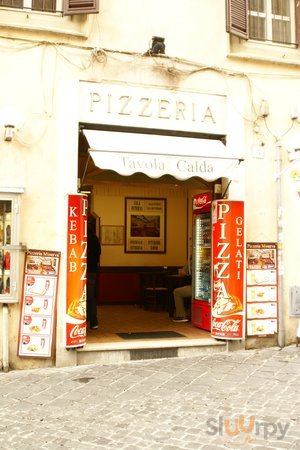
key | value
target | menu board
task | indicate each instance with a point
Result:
(38, 308)
(262, 302)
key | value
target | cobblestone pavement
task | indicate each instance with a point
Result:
(240, 400)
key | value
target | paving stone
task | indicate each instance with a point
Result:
(167, 404)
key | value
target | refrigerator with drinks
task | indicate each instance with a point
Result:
(201, 270)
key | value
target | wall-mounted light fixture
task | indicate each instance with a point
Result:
(294, 112)
(157, 46)
(264, 108)
(9, 132)
(11, 119)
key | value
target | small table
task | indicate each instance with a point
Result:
(154, 289)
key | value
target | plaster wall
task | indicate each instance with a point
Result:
(42, 83)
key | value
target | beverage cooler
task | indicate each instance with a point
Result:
(201, 272)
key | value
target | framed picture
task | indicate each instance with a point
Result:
(145, 225)
(112, 235)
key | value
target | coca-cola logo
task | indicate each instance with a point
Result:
(78, 331)
(201, 201)
(229, 325)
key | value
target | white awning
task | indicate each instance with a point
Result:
(157, 155)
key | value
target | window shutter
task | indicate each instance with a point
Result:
(237, 18)
(297, 21)
(71, 7)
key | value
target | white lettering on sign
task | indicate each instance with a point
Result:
(224, 246)
(72, 253)
(221, 269)
(200, 201)
(195, 167)
(84, 262)
(72, 212)
(229, 325)
(161, 108)
(223, 208)
(149, 107)
(72, 266)
(154, 163)
(72, 239)
(78, 331)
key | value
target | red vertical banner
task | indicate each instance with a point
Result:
(75, 323)
(228, 262)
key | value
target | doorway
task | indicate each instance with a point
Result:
(119, 316)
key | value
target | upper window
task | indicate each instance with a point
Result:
(272, 20)
(264, 20)
(67, 7)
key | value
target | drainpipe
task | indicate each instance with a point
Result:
(5, 362)
(281, 327)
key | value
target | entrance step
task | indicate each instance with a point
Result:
(119, 352)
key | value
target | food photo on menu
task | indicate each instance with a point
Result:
(261, 293)
(37, 305)
(39, 286)
(256, 310)
(35, 344)
(261, 259)
(37, 265)
(36, 324)
(261, 327)
(261, 277)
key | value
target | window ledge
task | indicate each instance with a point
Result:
(14, 190)
(267, 52)
(271, 60)
(34, 21)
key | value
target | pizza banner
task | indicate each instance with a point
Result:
(75, 316)
(228, 247)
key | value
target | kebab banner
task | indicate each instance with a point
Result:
(228, 269)
(75, 322)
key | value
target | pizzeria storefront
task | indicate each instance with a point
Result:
(129, 133)
(134, 142)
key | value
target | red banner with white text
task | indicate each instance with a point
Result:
(228, 260)
(75, 323)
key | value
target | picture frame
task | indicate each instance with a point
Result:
(145, 225)
(112, 235)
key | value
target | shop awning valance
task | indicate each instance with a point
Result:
(157, 155)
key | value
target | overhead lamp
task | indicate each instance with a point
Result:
(8, 132)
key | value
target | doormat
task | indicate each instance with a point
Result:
(151, 335)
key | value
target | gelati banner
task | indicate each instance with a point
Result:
(227, 321)
(75, 317)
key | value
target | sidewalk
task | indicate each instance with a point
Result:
(240, 400)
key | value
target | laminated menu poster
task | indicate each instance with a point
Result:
(262, 304)
(38, 309)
